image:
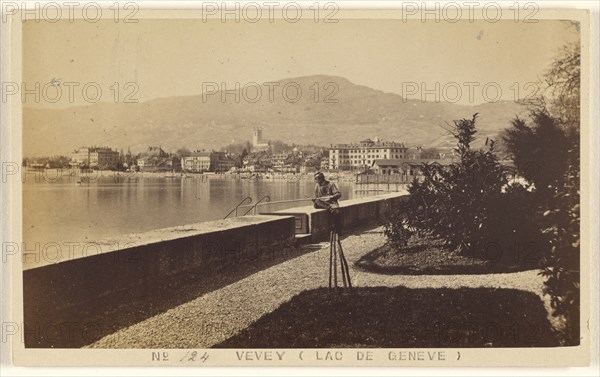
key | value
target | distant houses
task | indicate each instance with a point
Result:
(95, 158)
(200, 162)
(223, 162)
(155, 159)
(258, 156)
(279, 160)
(371, 155)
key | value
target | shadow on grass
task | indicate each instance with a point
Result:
(400, 317)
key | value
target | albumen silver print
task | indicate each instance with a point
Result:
(299, 184)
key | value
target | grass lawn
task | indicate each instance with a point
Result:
(427, 256)
(401, 317)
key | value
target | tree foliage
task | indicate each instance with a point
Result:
(538, 150)
(183, 152)
(462, 203)
(563, 83)
(550, 146)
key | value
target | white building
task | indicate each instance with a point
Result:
(197, 162)
(200, 162)
(95, 157)
(360, 156)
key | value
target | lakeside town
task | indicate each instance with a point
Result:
(259, 157)
(374, 223)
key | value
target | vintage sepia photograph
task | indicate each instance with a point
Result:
(299, 184)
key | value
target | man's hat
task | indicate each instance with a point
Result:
(319, 174)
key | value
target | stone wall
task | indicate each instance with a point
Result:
(68, 289)
(354, 213)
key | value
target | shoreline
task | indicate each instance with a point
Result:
(60, 175)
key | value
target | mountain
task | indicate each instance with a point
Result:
(215, 119)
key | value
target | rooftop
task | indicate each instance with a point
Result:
(368, 143)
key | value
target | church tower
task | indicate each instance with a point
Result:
(257, 136)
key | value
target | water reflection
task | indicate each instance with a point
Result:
(69, 212)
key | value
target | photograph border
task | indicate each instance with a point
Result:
(455, 357)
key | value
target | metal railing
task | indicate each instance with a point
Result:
(268, 199)
(236, 207)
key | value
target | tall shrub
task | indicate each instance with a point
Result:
(455, 202)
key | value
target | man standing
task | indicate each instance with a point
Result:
(326, 197)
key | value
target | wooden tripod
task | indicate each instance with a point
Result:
(335, 247)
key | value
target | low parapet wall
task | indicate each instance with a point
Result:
(354, 213)
(55, 292)
(140, 260)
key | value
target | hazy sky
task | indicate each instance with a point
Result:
(174, 57)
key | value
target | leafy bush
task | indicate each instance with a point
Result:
(452, 202)
(471, 207)
(396, 227)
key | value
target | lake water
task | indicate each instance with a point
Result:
(64, 211)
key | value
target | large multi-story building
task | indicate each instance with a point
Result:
(95, 157)
(199, 162)
(360, 156)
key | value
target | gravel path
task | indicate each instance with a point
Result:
(218, 315)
